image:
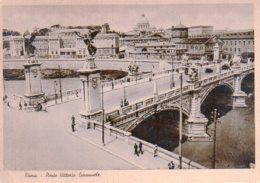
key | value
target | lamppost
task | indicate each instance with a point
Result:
(60, 83)
(55, 94)
(103, 114)
(133, 68)
(180, 125)
(215, 121)
(172, 78)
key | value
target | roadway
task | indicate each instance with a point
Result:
(40, 141)
(145, 89)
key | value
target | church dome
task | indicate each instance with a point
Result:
(143, 20)
(180, 26)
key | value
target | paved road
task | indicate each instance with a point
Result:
(112, 98)
(40, 141)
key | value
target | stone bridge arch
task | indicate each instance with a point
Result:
(208, 90)
(145, 116)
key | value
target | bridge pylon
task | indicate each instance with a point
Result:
(195, 128)
(91, 88)
(33, 86)
(238, 97)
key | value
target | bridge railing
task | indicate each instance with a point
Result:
(65, 94)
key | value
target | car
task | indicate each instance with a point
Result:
(208, 70)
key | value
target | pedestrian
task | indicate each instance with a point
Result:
(136, 150)
(25, 105)
(73, 123)
(171, 165)
(76, 93)
(122, 103)
(155, 151)
(141, 148)
(112, 85)
(8, 104)
(20, 106)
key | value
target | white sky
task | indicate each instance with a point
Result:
(125, 17)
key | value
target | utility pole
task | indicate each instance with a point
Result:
(215, 121)
(55, 94)
(103, 114)
(172, 79)
(180, 128)
(60, 83)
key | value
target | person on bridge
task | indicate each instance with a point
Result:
(73, 123)
(141, 148)
(136, 150)
(20, 106)
(171, 165)
(155, 151)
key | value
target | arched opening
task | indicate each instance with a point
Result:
(219, 98)
(248, 83)
(248, 86)
(161, 128)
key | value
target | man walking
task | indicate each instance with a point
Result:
(140, 147)
(20, 106)
(73, 123)
(136, 149)
(155, 150)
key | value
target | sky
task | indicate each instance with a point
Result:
(125, 17)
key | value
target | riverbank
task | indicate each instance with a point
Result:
(18, 74)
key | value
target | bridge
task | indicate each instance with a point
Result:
(146, 98)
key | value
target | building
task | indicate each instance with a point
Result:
(65, 43)
(143, 26)
(107, 43)
(142, 33)
(152, 50)
(238, 42)
(200, 31)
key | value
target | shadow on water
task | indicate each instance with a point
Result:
(161, 129)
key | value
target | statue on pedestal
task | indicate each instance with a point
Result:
(29, 47)
(87, 38)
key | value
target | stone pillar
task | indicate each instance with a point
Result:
(91, 89)
(216, 52)
(218, 69)
(238, 97)
(195, 126)
(33, 86)
(155, 90)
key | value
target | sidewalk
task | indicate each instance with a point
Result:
(120, 149)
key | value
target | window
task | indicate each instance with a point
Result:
(230, 49)
(238, 49)
(244, 43)
(235, 49)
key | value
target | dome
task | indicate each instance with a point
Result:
(143, 20)
(180, 26)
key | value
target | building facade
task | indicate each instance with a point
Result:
(65, 43)
(238, 42)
